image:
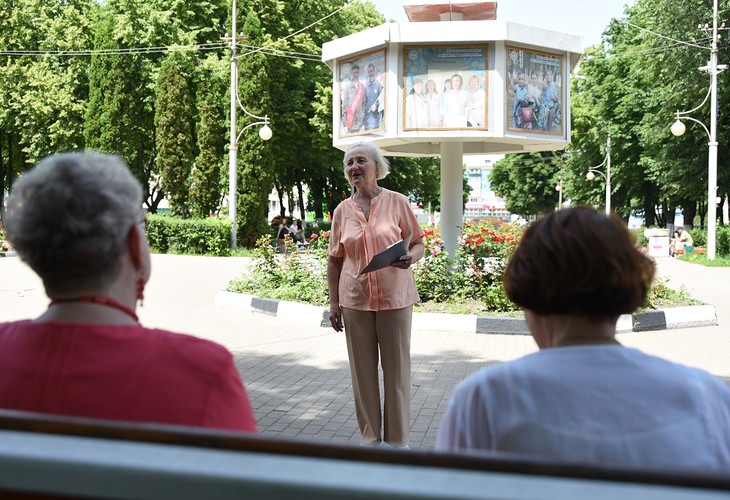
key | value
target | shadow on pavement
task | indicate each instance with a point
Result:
(292, 400)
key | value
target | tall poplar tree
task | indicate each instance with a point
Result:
(174, 130)
(256, 164)
(208, 183)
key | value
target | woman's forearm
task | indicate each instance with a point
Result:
(417, 250)
(334, 269)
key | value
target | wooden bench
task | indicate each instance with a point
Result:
(700, 250)
(52, 457)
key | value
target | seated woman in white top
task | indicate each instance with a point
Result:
(583, 398)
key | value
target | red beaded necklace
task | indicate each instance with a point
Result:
(104, 301)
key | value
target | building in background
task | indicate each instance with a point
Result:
(483, 201)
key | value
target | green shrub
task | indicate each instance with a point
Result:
(293, 276)
(167, 234)
(723, 240)
(661, 296)
(639, 237)
(699, 237)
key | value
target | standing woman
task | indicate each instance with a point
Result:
(435, 105)
(375, 308)
(455, 101)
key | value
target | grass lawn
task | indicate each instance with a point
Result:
(695, 258)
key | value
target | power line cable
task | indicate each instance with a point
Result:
(268, 45)
(118, 51)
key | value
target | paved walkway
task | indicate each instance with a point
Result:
(298, 377)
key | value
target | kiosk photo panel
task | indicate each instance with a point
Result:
(534, 91)
(362, 94)
(444, 87)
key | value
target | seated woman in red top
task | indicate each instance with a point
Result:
(75, 219)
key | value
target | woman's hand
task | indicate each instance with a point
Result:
(414, 255)
(336, 317)
(404, 262)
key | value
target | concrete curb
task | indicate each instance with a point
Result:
(661, 319)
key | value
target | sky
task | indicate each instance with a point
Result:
(586, 18)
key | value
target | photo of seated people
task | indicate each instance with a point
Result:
(534, 92)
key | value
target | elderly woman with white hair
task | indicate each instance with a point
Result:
(76, 220)
(377, 306)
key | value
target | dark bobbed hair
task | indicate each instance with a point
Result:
(581, 262)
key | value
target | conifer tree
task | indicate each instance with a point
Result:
(211, 133)
(174, 137)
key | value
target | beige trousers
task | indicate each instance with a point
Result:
(390, 333)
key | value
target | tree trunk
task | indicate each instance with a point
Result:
(280, 194)
(300, 192)
(720, 211)
(291, 203)
(664, 216)
(689, 211)
(318, 200)
(649, 214)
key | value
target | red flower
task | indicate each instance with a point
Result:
(314, 236)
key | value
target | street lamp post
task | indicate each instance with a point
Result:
(265, 132)
(591, 174)
(678, 129)
(559, 189)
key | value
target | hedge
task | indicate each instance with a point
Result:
(167, 234)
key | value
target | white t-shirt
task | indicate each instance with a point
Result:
(594, 404)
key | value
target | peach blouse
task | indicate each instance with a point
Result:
(357, 240)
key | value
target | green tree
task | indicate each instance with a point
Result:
(119, 117)
(207, 180)
(527, 182)
(323, 169)
(256, 164)
(174, 129)
(42, 97)
(636, 80)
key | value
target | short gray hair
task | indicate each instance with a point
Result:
(376, 154)
(69, 217)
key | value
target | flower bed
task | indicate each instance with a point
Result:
(473, 276)
(471, 282)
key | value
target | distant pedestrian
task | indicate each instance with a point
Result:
(685, 239)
